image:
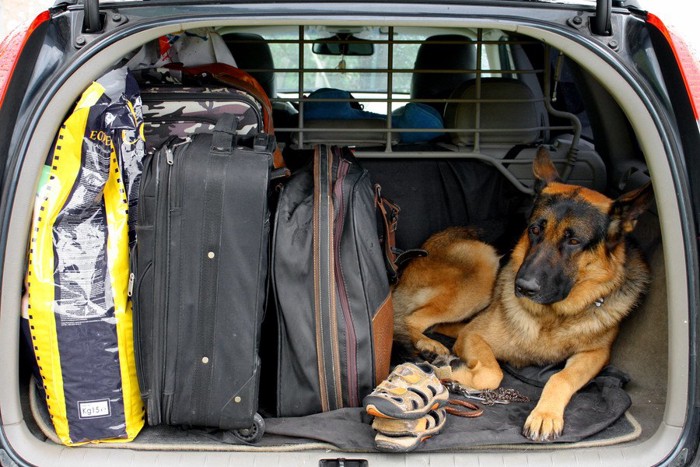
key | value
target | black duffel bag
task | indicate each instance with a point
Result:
(332, 293)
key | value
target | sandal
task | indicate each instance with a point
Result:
(410, 427)
(410, 392)
(445, 365)
(396, 435)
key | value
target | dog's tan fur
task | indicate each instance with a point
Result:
(460, 281)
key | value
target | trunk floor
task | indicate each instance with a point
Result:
(597, 415)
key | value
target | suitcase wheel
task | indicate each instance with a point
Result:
(254, 433)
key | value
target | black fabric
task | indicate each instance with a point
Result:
(596, 411)
(434, 194)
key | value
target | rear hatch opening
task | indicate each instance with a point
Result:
(519, 86)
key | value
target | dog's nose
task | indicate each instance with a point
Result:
(526, 287)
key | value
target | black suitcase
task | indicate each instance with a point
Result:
(331, 286)
(200, 287)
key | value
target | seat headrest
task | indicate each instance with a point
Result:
(436, 53)
(507, 109)
(252, 52)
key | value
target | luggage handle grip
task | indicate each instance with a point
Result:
(224, 138)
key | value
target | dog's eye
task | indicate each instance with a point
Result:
(570, 238)
(535, 229)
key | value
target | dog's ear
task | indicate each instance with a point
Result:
(544, 170)
(625, 211)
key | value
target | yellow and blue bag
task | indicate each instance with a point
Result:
(76, 302)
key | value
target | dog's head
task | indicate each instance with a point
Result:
(574, 245)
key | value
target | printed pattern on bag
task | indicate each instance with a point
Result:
(78, 271)
(186, 111)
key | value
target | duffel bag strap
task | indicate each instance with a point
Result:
(394, 258)
(327, 344)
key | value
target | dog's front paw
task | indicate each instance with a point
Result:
(430, 346)
(542, 425)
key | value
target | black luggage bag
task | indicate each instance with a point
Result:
(331, 286)
(200, 286)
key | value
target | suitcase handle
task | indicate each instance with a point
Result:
(224, 138)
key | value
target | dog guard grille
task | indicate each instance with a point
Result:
(475, 129)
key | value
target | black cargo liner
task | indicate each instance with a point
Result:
(603, 413)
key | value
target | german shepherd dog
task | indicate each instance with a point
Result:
(571, 278)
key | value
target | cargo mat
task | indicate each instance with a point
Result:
(596, 416)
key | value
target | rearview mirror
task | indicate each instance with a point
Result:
(343, 44)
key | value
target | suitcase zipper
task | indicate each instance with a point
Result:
(351, 337)
(138, 352)
(160, 321)
(130, 287)
(146, 389)
(164, 206)
(170, 156)
(152, 384)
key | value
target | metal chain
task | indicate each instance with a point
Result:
(487, 397)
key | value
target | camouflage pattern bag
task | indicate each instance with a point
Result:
(182, 101)
(179, 104)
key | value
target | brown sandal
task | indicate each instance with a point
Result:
(410, 392)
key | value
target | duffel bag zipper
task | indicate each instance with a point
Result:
(351, 336)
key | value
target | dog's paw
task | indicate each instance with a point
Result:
(477, 376)
(487, 379)
(430, 346)
(543, 426)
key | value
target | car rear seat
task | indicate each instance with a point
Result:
(435, 193)
(505, 120)
(252, 54)
(454, 54)
(495, 112)
(333, 116)
(451, 53)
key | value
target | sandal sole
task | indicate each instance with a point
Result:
(396, 440)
